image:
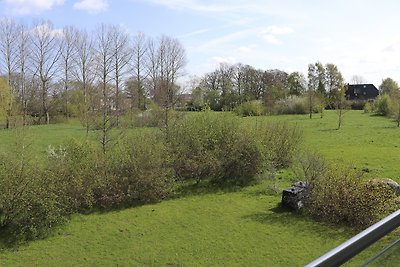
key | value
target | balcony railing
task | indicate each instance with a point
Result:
(358, 243)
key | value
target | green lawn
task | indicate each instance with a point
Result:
(364, 141)
(222, 228)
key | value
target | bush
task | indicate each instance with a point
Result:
(249, 108)
(368, 107)
(29, 204)
(292, 105)
(341, 196)
(210, 146)
(74, 166)
(242, 160)
(358, 104)
(134, 171)
(280, 143)
(383, 105)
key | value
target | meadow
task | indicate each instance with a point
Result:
(203, 226)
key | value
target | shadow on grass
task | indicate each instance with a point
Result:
(192, 188)
(285, 217)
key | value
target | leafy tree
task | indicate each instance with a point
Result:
(5, 97)
(383, 105)
(312, 87)
(296, 83)
(389, 86)
(8, 51)
(334, 83)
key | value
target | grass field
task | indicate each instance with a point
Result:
(241, 227)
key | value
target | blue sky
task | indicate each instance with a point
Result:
(361, 37)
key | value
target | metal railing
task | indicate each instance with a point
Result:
(358, 243)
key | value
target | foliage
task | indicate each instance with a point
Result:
(341, 196)
(249, 108)
(29, 204)
(196, 226)
(388, 86)
(292, 105)
(280, 143)
(358, 104)
(5, 96)
(74, 167)
(209, 146)
(135, 171)
(132, 172)
(368, 107)
(309, 166)
(383, 105)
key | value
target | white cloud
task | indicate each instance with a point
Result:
(24, 7)
(227, 60)
(269, 35)
(92, 6)
(271, 39)
(276, 30)
(45, 28)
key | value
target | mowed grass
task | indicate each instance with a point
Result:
(221, 229)
(364, 141)
(241, 227)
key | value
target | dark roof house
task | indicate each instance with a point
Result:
(361, 92)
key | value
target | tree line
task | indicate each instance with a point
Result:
(66, 72)
(230, 85)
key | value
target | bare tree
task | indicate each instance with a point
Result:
(104, 68)
(23, 46)
(69, 35)
(167, 60)
(45, 54)
(122, 55)
(341, 105)
(83, 72)
(83, 59)
(139, 50)
(357, 79)
(8, 50)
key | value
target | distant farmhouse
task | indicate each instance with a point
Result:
(361, 92)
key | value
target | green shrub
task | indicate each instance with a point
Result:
(292, 105)
(368, 107)
(242, 160)
(210, 146)
(249, 108)
(29, 204)
(341, 196)
(136, 171)
(74, 166)
(383, 105)
(358, 104)
(280, 143)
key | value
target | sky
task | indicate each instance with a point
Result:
(361, 37)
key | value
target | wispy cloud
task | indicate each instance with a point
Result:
(24, 7)
(92, 6)
(194, 33)
(259, 7)
(276, 30)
